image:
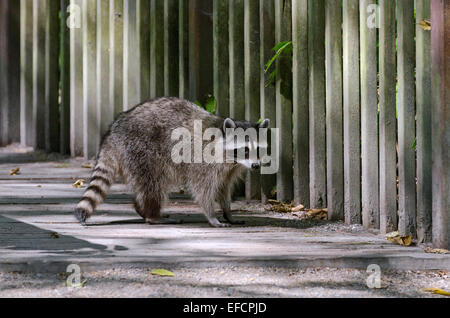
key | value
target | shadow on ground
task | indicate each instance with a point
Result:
(17, 235)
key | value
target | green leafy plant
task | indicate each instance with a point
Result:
(414, 145)
(284, 47)
(210, 104)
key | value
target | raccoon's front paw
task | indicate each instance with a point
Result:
(216, 223)
(81, 216)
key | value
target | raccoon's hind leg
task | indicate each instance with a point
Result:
(148, 206)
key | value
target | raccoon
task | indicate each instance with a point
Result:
(138, 147)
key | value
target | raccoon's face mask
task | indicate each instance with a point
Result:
(244, 142)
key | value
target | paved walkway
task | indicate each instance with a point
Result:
(39, 234)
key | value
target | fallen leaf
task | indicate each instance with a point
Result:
(318, 214)
(278, 206)
(78, 184)
(162, 272)
(87, 166)
(14, 171)
(436, 250)
(298, 208)
(437, 291)
(425, 24)
(63, 165)
(76, 285)
(54, 235)
(395, 237)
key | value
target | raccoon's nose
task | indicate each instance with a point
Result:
(256, 165)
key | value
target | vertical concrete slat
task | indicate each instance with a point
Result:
(267, 91)
(157, 48)
(52, 41)
(406, 117)
(300, 101)
(387, 126)
(105, 108)
(183, 49)
(200, 52)
(334, 112)
(64, 146)
(440, 68)
(38, 122)
(316, 69)
(221, 57)
(91, 130)
(423, 123)
(252, 83)
(76, 78)
(369, 114)
(26, 72)
(131, 79)
(143, 34)
(171, 70)
(116, 56)
(352, 114)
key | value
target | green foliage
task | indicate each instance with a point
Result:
(284, 47)
(414, 145)
(210, 104)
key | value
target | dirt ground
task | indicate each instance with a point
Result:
(230, 281)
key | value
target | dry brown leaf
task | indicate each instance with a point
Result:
(54, 235)
(78, 184)
(437, 291)
(436, 250)
(395, 237)
(425, 24)
(315, 211)
(14, 171)
(318, 214)
(87, 166)
(278, 206)
(298, 208)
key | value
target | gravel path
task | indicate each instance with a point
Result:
(227, 282)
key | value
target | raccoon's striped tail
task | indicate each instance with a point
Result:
(101, 180)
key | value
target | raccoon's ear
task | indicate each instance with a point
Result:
(264, 124)
(228, 123)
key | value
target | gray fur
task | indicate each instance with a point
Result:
(138, 147)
